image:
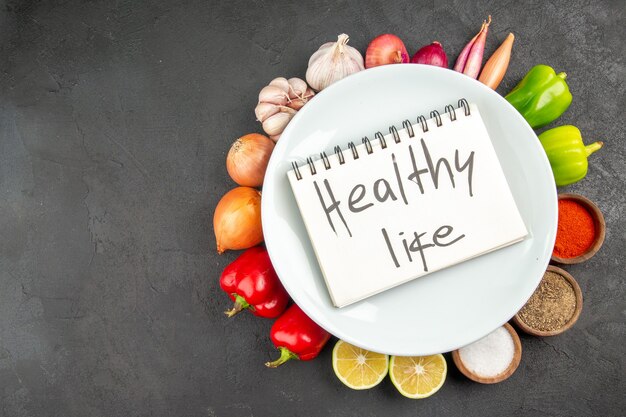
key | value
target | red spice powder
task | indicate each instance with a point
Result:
(576, 231)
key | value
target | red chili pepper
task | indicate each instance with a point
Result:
(297, 337)
(251, 282)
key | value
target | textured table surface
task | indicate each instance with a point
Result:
(115, 120)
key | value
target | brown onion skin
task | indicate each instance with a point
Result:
(432, 54)
(247, 159)
(237, 220)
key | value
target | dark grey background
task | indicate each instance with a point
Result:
(115, 120)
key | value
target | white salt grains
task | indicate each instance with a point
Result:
(491, 355)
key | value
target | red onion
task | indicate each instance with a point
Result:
(386, 49)
(432, 54)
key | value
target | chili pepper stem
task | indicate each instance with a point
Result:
(240, 305)
(285, 355)
(589, 149)
(562, 75)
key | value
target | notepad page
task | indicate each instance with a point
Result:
(406, 209)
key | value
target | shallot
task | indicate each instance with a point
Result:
(496, 66)
(432, 54)
(471, 58)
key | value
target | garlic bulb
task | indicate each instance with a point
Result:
(332, 62)
(279, 101)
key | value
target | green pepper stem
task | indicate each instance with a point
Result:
(285, 355)
(562, 75)
(240, 305)
(589, 149)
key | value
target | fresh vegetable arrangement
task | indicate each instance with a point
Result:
(541, 97)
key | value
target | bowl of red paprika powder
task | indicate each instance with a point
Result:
(580, 230)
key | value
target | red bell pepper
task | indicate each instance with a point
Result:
(297, 337)
(251, 282)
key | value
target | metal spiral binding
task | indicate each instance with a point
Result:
(451, 112)
(325, 160)
(381, 140)
(309, 161)
(339, 154)
(355, 153)
(408, 127)
(435, 114)
(424, 123)
(463, 103)
(406, 124)
(296, 169)
(368, 145)
(394, 132)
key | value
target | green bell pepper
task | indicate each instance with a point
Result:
(541, 97)
(567, 153)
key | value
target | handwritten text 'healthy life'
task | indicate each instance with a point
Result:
(383, 191)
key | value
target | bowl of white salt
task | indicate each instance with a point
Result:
(491, 359)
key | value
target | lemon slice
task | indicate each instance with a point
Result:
(359, 368)
(418, 376)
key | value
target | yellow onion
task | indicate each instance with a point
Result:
(247, 159)
(237, 220)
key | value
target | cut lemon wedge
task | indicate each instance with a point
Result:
(418, 376)
(359, 368)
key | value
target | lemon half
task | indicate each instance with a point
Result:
(418, 376)
(359, 368)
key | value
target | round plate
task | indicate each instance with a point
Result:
(444, 310)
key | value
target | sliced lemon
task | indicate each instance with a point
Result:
(359, 368)
(418, 376)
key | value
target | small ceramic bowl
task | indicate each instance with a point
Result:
(517, 356)
(579, 306)
(598, 221)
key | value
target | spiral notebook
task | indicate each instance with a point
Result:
(393, 208)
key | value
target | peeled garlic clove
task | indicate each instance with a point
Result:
(273, 94)
(332, 62)
(282, 83)
(265, 110)
(297, 87)
(275, 124)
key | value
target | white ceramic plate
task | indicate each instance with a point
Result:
(444, 310)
